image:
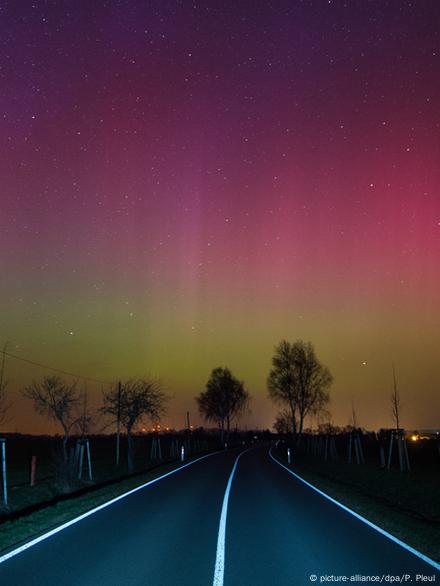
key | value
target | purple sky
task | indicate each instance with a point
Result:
(185, 184)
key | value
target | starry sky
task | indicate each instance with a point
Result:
(183, 184)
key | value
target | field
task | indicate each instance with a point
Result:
(50, 485)
(406, 504)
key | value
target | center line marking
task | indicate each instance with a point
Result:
(220, 555)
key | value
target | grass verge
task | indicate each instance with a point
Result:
(420, 533)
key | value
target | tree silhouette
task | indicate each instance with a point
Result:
(283, 422)
(298, 381)
(131, 403)
(223, 399)
(58, 400)
(281, 380)
(86, 419)
(396, 403)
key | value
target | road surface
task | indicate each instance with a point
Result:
(276, 531)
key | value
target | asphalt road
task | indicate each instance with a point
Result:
(278, 532)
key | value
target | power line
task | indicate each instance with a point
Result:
(60, 371)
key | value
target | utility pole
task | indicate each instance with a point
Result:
(187, 421)
(84, 425)
(395, 401)
(118, 423)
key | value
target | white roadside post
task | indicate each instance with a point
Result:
(288, 456)
(5, 491)
(89, 460)
(182, 453)
(84, 447)
(81, 456)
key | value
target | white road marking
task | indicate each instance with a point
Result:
(417, 553)
(220, 555)
(45, 536)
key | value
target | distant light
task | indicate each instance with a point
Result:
(364, 363)
(414, 438)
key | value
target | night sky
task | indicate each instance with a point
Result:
(185, 184)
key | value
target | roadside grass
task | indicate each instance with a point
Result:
(52, 484)
(16, 532)
(405, 505)
(23, 499)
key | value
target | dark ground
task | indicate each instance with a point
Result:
(278, 532)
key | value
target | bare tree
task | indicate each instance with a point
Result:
(354, 419)
(129, 403)
(283, 422)
(57, 400)
(4, 404)
(327, 427)
(223, 399)
(324, 419)
(313, 380)
(85, 420)
(396, 404)
(281, 381)
(299, 381)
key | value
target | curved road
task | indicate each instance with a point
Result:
(275, 531)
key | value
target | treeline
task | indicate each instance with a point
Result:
(297, 382)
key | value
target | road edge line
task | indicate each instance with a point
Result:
(104, 505)
(415, 552)
(219, 568)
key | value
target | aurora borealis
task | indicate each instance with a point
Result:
(184, 184)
